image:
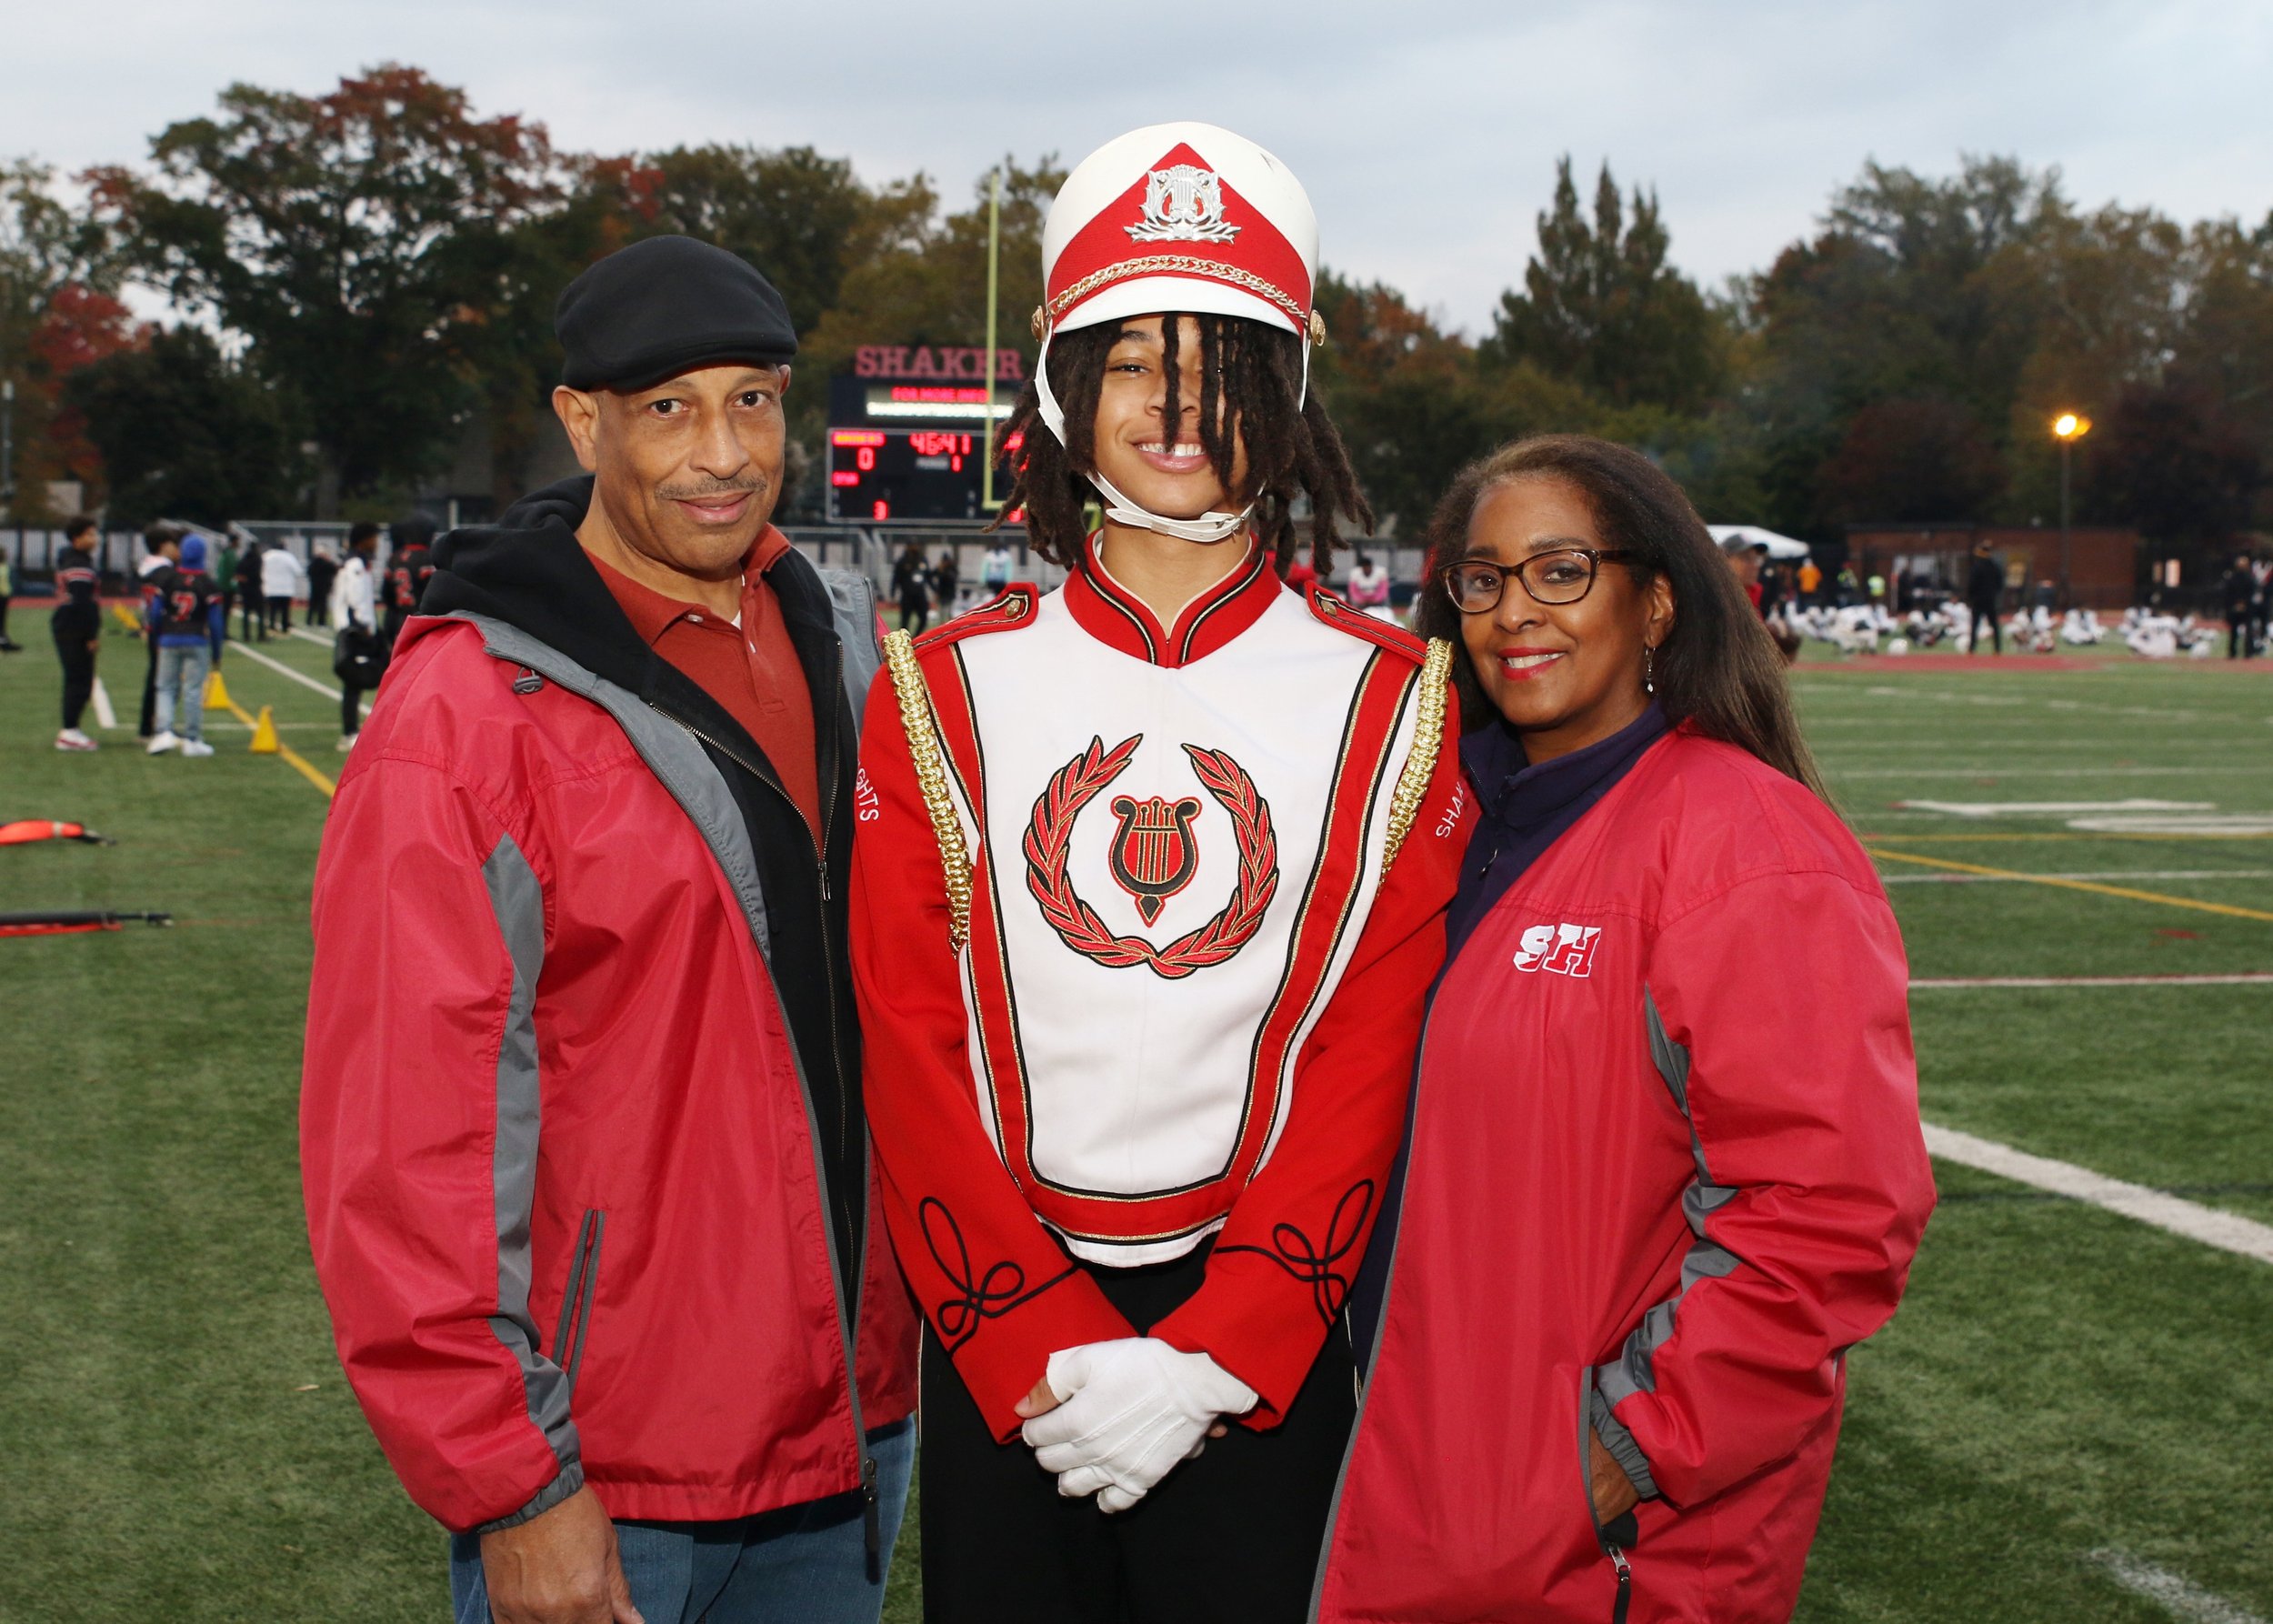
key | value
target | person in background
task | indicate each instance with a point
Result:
(252, 608)
(1810, 581)
(162, 550)
(1369, 588)
(2260, 601)
(7, 588)
(945, 583)
(225, 575)
(1984, 585)
(280, 580)
(353, 608)
(911, 585)
(77, 627)
(1653, 1190)
(187, 624)
(1746, 558)
(993, 571)
(323, 569)
(410, 563)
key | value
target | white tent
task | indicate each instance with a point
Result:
(1779, 546)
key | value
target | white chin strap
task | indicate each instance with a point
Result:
(1207, 529)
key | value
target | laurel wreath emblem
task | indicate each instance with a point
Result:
(1049, 835)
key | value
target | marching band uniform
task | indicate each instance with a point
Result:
(1143, 919)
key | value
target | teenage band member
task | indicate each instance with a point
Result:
(1665, 1167)
(1146, 904)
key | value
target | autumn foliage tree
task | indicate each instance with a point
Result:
(355, 238)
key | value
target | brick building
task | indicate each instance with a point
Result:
(2103, 562)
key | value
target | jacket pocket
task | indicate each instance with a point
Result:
(1619, 1535)
(575, 1299)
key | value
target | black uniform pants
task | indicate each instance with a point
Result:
(71, 648)
(1985, 614)
(280, 614)
(351, 708)
(1232, 1538)
(148, 725)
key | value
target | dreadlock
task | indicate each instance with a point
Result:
(1292, 450)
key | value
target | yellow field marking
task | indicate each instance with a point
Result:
(2072, 885)
(299, 762)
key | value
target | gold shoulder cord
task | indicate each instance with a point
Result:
(931, 776)
(1428, 734)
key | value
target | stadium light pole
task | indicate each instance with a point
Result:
(2067, 428)
(994, 271)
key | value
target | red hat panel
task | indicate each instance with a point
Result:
(1180, 217)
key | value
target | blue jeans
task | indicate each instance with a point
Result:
(801, 1564)
(183, 669)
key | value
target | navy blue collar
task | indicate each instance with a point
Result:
(1525, 808)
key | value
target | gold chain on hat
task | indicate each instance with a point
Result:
(1428, 734)
(931, 776)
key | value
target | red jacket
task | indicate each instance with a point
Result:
(563, 1185)
(1666, 1150)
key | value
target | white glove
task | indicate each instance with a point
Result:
(1130, 1410)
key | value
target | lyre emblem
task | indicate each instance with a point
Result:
(1183, 204)
(1153, 855)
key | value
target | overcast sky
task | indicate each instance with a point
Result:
(1424, 130)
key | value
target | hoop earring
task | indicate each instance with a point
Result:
(1649, 679)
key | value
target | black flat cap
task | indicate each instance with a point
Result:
(662, 307)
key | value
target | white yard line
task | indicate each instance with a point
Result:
(306, 636)
(330, 690)
(2179, 1596)
(1963, 983)
(2009, 879)
(2228, 1231)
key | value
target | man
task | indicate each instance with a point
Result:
(352, 607)
(1984, 585)
(1746, 555)
(409, 565)
(186, 627)
(323, 570)
(252, 607)
(1147, 909)
(280, 580)
(162, 545)
(582, 1131)
(77, 627)
(7, 590)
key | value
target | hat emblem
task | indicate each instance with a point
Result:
(1183, 204)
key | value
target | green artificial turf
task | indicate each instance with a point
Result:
(2060, 1382)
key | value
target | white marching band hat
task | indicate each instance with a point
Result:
(1176, 216)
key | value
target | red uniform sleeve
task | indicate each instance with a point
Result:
(1001, 1295)
(420, 1014)
(1282, 1266)
(1795, 1068)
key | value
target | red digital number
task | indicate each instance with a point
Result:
(864, 459)
(883, 509)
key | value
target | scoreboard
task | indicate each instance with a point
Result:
(908, 441)
(877, 476)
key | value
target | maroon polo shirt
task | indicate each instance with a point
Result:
(750, 669)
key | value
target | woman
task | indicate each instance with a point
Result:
(1148, 895)
(1665, 1165)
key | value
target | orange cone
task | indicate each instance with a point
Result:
(264, 734)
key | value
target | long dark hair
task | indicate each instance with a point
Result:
(1717, 669)
(1292, 447)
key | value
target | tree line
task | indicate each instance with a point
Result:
(356, 275)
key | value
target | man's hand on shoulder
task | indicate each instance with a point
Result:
(558, 1568)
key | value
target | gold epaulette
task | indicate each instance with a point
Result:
(1429, 732)
(924, 751)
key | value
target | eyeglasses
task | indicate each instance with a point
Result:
(1562, 576)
